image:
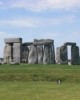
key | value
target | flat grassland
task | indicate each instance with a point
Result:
(39, 82)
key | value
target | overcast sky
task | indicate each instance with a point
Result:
(40, 19)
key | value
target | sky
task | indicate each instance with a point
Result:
(40, 19)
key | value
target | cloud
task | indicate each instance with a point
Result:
(37, 22)
(19, 22)
(40, 5)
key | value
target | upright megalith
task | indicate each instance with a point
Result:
(58, 55)
(17, 52)
(25, 53)
(74, 55)
(32, 58)
(12, 50)
(39, 45)
(62, 57)
(8, 56)
(49, 54)
(40, 54)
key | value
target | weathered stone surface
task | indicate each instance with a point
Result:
(63, 55)
(70, 43)
(13, 40)
(58, 55)
(8, 53)
(32, 58)
(40, 54)
(74, 55)
(27, 44)
(43, 42)
(25, 53)
(48, 57)
(17, 52)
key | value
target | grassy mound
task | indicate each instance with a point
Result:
(36, 72)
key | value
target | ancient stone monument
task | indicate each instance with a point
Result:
(39, 52)
(36, 52)
(46, 54)
(62, 55)
(12, 50)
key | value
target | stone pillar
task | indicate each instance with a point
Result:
(74, 55)
(63, 55)
(8, 53)
(25, 53)
(40, 54)
(17, 52)
(5, 54)
(58, 55)
(48, 54)
(32, 58)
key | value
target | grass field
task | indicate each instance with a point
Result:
(39, 82)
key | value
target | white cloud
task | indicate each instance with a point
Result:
(37, 22)
(40, 5)
(19, 22)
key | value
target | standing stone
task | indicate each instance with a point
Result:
(17, 52)
(58, 55)
(32, 58)
(48, 54)
(7, 53)
(40, 54)
(63, 55)
(74, 55)
(25, 53)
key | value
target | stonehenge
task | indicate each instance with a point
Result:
(62, 54)
(39, 52)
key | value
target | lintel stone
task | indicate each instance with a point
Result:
(43, 41)
(13, 40)
(70, 43)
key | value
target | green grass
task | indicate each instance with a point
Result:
(39, 82)
(40, 73)
(39, 91)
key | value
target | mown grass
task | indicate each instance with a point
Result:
(39, 82)
(25, 72)
(36, 72)
(39, 91)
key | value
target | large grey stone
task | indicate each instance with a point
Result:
(13, 40)
(63, 57)
(17, 52)
(48, 57)
(58, 55)
(74, 55)
(70, 43)
(8, 53)
(43, 42)
(40, 54)
(25, 53)
(32, 58)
